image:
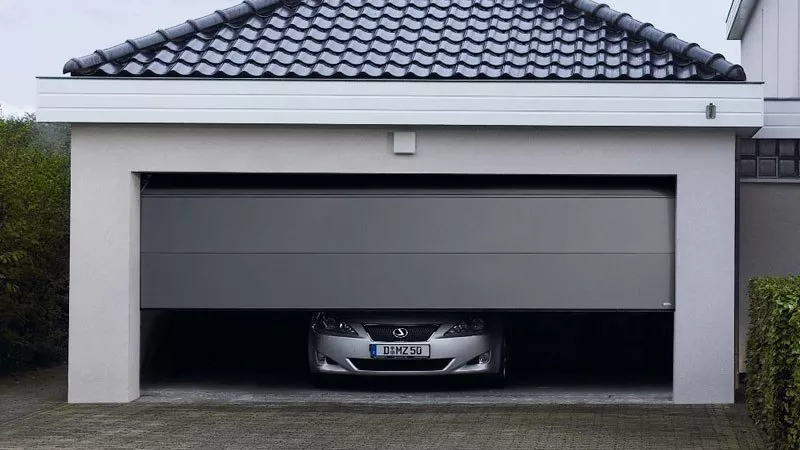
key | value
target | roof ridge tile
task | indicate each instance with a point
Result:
(161, 36)
(657, 37)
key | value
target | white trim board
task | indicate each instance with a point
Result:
(738, 17)
(382, 102)
(781, 119)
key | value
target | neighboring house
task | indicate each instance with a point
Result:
(640, 126)
(769, 188)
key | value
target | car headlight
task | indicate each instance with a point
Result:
(471, 327)
(328, 324)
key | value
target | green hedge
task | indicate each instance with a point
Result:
(34, 242)
(773, 359)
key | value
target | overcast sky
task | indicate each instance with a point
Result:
(38, 37)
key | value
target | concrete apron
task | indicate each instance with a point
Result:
(187, 393)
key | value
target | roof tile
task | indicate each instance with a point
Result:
(533, 39)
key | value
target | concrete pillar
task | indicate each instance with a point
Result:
(104, 279)
(704, 363)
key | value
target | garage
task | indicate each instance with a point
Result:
(557, 164)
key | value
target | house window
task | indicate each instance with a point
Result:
(769, 158)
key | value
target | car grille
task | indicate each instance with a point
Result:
(400, 365)
(416, 333)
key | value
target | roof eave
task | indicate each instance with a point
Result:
(400, 103)
(739, 17)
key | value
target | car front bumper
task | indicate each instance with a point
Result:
(456, 355)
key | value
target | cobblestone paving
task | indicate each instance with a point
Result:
(47, 422)
(31, 392)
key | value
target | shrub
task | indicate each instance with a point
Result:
(773, 359)
(34, 241)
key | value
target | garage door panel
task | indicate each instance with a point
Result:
(446, 281)
(407, 224)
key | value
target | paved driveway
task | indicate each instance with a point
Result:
(33, 414)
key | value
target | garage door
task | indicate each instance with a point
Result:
(420, 247)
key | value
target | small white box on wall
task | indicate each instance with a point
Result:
(404, 142)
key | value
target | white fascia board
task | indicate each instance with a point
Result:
(323, 102)
(738, 17)
(781, 119)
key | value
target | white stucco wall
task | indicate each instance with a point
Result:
(104, 296)
(769, 229)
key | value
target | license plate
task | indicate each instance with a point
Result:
(400, 350)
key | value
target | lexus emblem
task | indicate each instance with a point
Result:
(400, 333)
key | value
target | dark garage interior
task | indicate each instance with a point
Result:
(269, 349)
(579, 269)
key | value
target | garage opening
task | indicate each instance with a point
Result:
(579, 271)
(563, 349)
(264, 354)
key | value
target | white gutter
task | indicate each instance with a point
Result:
(738, 17)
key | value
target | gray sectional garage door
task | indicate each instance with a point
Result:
(407, 248)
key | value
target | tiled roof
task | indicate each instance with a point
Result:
(462, 39)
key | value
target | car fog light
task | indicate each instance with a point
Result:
(320, 358)
(485, 358)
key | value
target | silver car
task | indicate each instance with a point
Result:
(381, 343)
